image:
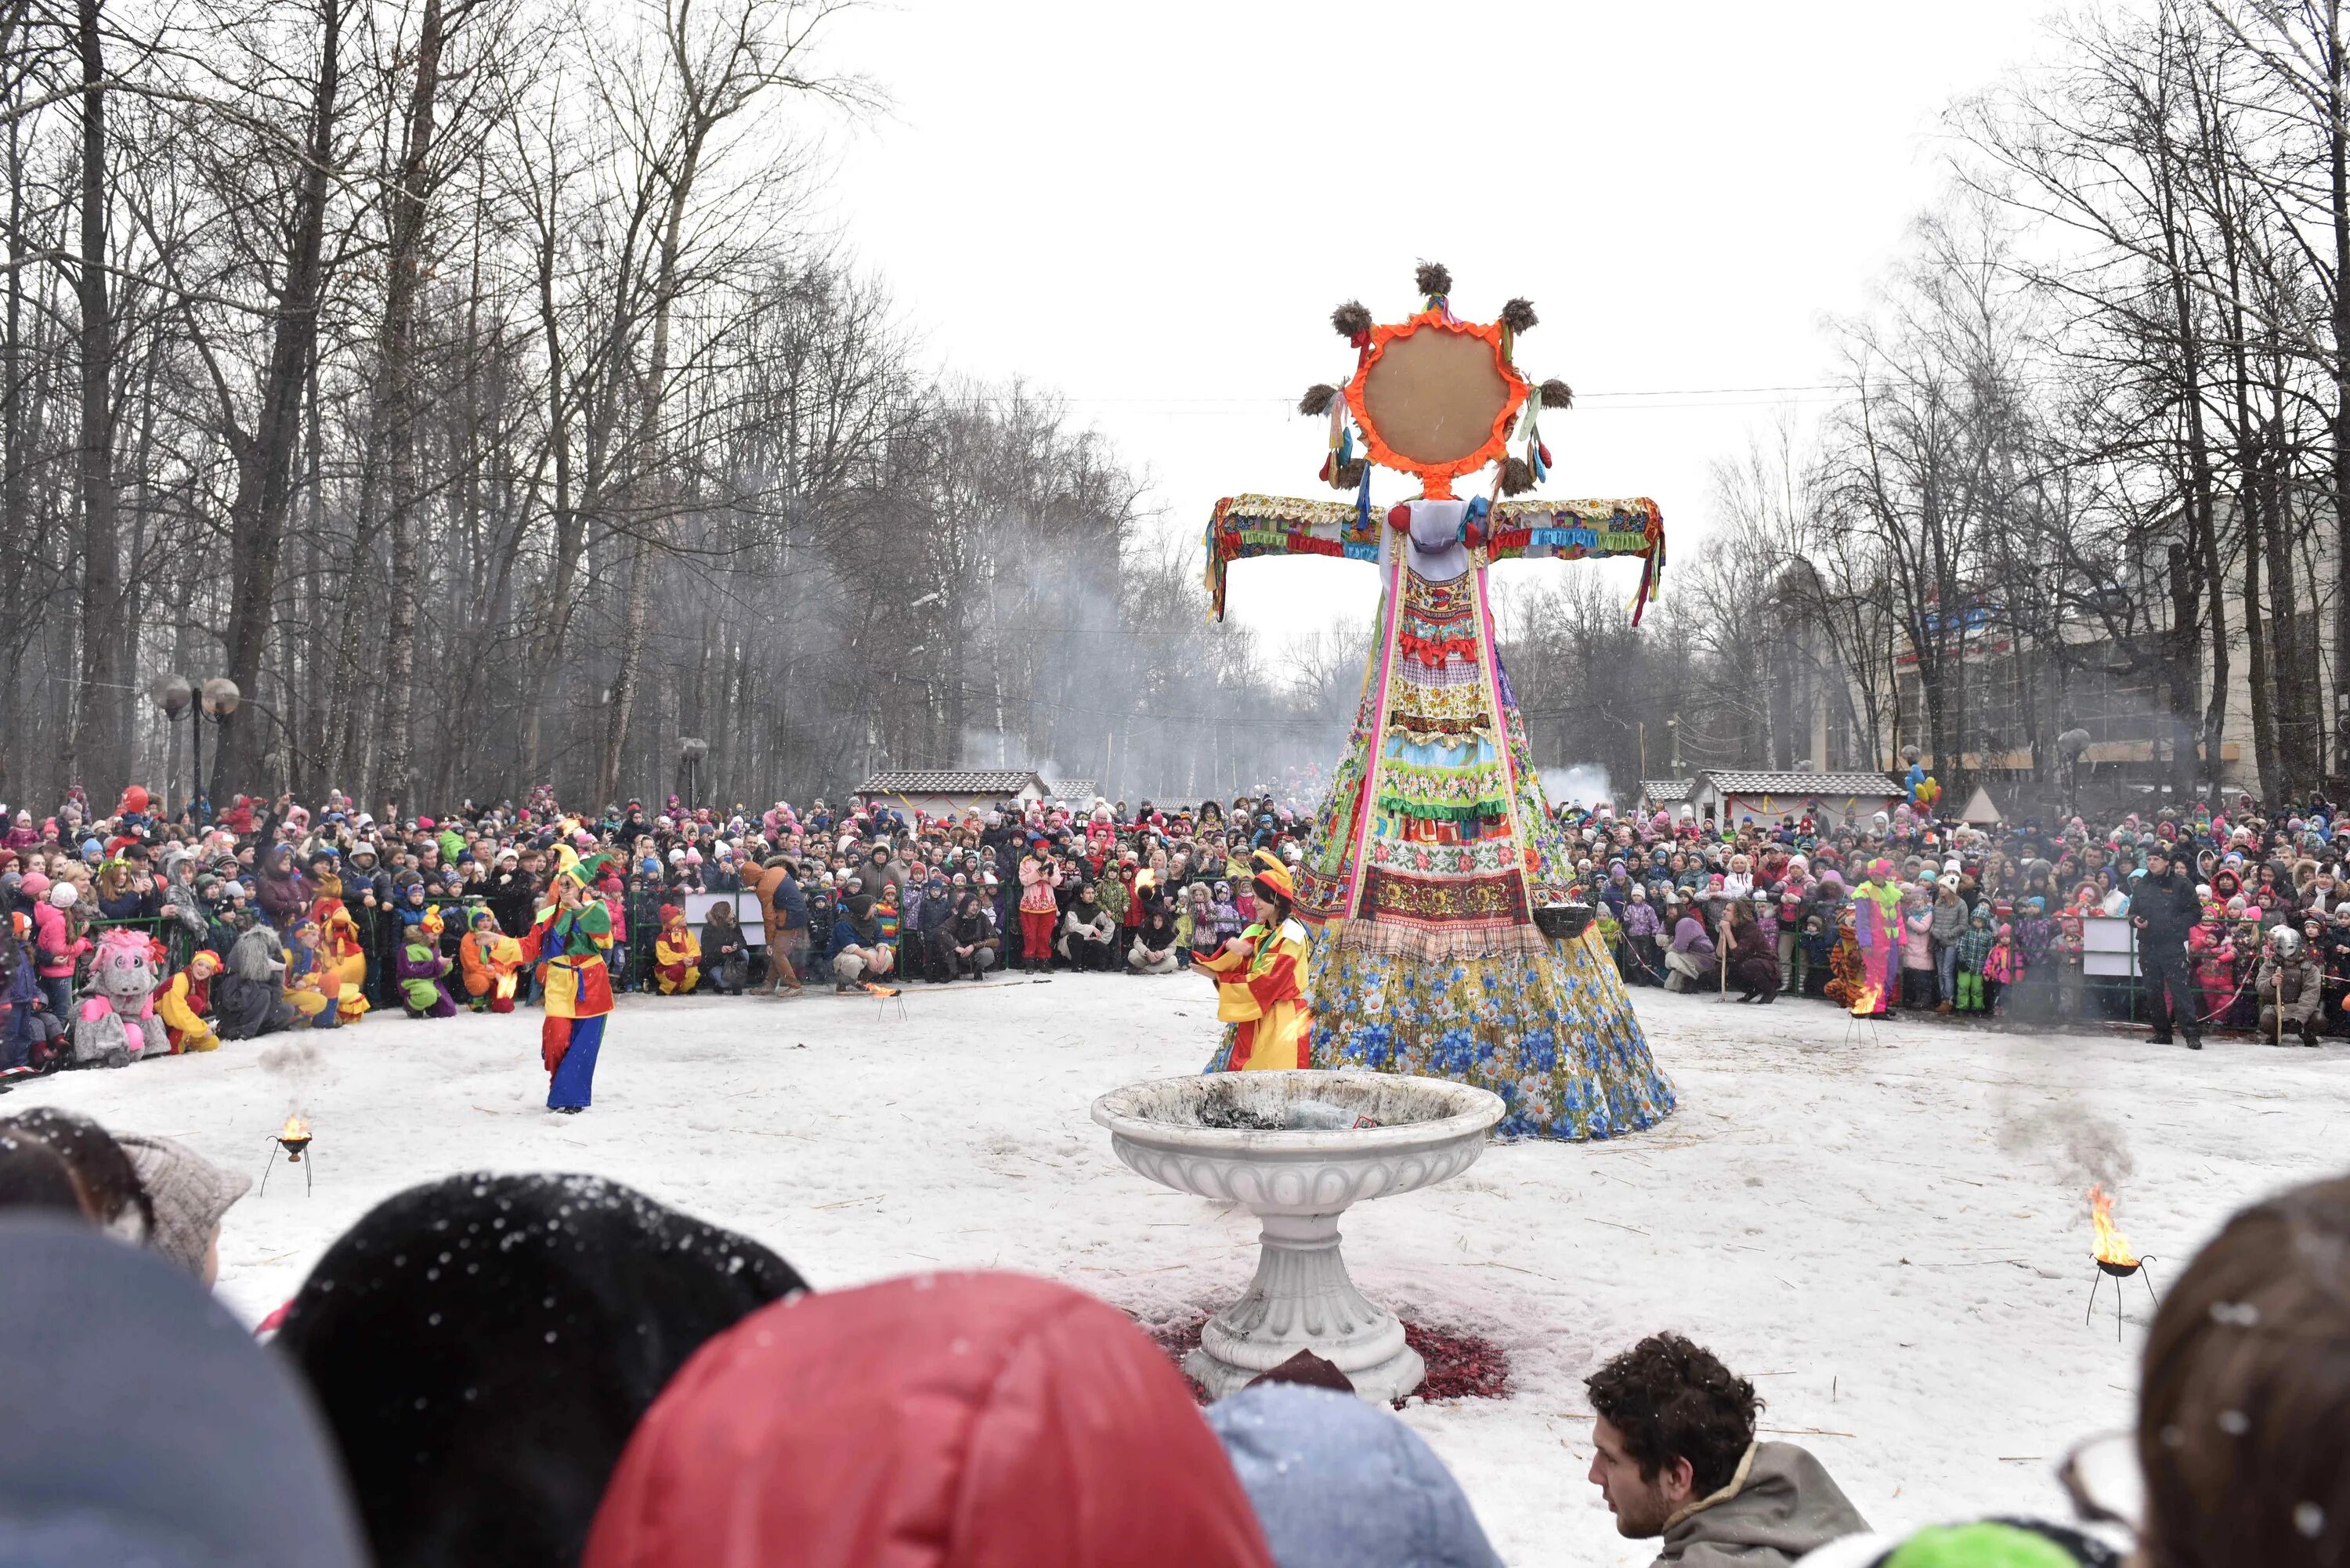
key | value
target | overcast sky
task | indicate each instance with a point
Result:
(1152, 208)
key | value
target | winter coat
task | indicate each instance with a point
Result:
(1101, 927)
(1689, 937)
(1335, 1481)
(2304, 986)
(972, 931)
(790, 903)
(53, 941)
(2168, 906)
(1950, 920)
(942, 1420)
(1917, 939)
(1226, 921)
(1781, 1504)
(847, 934)
(1037, 881)
(513, 901)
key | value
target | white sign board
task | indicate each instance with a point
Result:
(2108, 946)
(747, 910)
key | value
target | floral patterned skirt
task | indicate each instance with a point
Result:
(1549, 1029)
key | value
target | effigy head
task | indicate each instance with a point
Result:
(1435, 395)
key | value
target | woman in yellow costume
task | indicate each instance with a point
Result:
(1259, 979)
(184, 1001)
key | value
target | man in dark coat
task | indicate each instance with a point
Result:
(2164, 908)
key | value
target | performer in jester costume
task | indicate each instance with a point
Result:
(1259, 979)
(1428, 862)
(1877, 929)
(570, 938)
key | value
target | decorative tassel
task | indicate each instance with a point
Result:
(1342, 446)
(1363, 501)
(1435, 283)
(1534, 467)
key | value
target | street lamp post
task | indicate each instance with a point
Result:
(178, 697)
(2071, 744)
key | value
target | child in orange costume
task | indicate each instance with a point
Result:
(489, 959)
(1259, 979)
(677, 956)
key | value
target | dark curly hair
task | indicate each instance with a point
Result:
(1673, 1400)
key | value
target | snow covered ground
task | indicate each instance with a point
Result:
(1889, 1237)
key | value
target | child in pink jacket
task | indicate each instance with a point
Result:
(57, 941)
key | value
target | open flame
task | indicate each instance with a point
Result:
(2113, 1247)
(1864, 1004)
(294, 1130)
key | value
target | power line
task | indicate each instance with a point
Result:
(977, 399)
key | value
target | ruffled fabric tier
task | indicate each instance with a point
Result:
(1545, 1025)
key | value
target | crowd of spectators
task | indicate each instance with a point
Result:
(1997, 920)
(403, 913)
(359, 913)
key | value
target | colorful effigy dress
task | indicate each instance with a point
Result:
(1435, 845)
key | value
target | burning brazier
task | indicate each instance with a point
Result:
(1296, 1149)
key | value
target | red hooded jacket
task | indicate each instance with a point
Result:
(938, 1421)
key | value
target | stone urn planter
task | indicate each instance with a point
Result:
(1288, 1146)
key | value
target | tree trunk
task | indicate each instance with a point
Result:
(264, 485)
(99, 746)
(2338, 170)
(2178, 672)
(2252, 499)
(644, 500)
(396, 411)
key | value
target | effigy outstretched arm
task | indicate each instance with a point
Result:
(1246, 526)
(1582, 531)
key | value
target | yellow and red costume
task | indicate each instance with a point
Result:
(677, 956)
(1261, 990)
(346, 955)
(312, 982)
(183, 1000)
(570, 944)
